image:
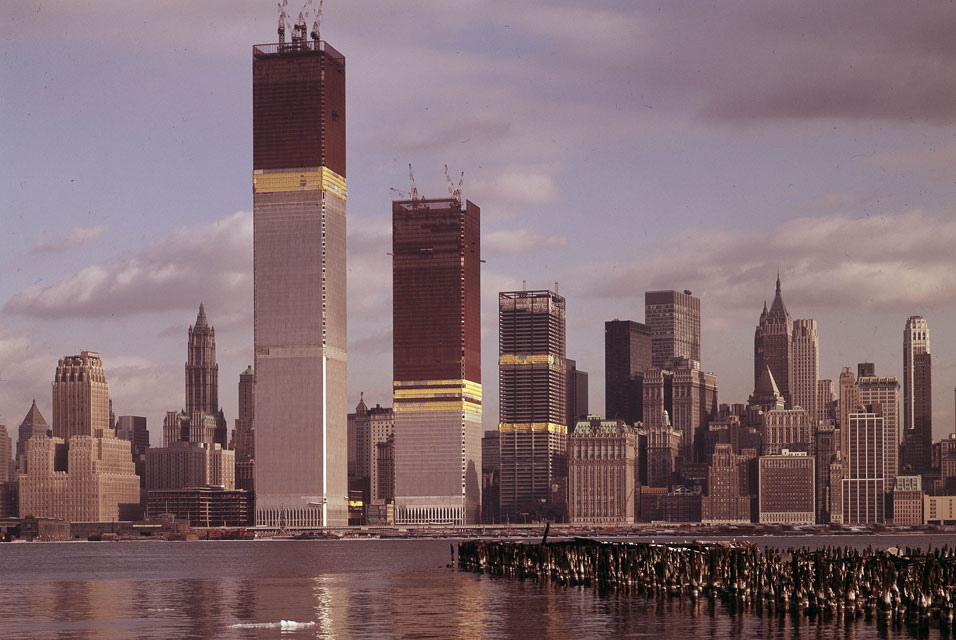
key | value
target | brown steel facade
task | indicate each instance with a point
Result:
(299, 195)
(627, 354)
(298, 107)
(436, 326)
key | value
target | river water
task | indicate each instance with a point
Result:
(351, 589)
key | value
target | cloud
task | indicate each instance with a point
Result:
(518, 241)
(211, 262)
(890, 262)
(75, 238)
(516, 187)
(25, 374)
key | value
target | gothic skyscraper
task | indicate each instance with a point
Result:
(773, 345)
(202, 372)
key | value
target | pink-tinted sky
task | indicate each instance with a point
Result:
(613, 146)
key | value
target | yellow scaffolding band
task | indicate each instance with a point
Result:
(305, 179)
(523, 427)
(539, 358)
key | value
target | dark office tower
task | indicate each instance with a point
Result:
(917, 397)
(627, 354)
(202, 372)
(299, 192)
(866, 369)
(436, 325)
(673, 318)
(531, 406)
(772, 345)
(577, 394)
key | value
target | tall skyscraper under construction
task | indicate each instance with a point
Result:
(436, 323)
(531, 406)
(299, 192)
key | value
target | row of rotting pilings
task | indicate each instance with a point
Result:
(908, 586)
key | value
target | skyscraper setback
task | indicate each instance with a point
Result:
(299, 192)
(436, 324)
(917, 428)
(531, 408)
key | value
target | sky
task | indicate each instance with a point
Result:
(614, 147)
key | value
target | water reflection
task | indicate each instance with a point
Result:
(342, 590)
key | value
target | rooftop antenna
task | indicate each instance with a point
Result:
(452, 191)
(282, 20)
(555, 286)
(317, 23)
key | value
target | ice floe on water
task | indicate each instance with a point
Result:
(282, 624)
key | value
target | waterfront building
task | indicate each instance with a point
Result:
(603, 473)
(202, 506)
(88, 478)
(727, 500)
(885, 391)
(532, 405)
(787, 488)
(627, 354)
(673, 318)
(436, 325)
(299, 236)
(33, 424)
(864, 466)
(681, 504)
(81, 397)
(939, 510)
(773, 345)
(947, 463)
(907, 501)
(917, 425)
(806, 368)
(359, 448)
(190, 464)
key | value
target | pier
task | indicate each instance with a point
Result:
(905, 586)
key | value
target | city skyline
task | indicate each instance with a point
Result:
(104, 257)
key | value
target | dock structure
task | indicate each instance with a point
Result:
(903, 586)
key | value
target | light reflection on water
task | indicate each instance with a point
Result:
(344, 589)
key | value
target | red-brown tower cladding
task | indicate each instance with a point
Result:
(437, 360)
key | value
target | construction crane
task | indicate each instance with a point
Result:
(282, 20)
(411, 179)
(454, 192)
(317, 23)
(400, 194)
